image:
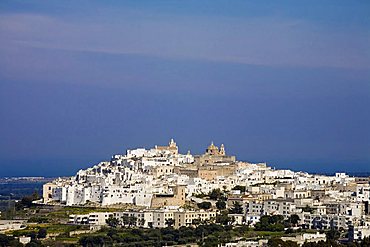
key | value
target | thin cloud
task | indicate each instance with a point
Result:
(258, 41)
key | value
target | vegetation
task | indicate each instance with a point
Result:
(204, 235)
(170, 222)
(26, 201)
(204, 205)
(112, 222)
(40, 219)
(220, 204)
(308, 209)
(236, 209)
(293, 219)
(333, 234)
(270, 223)
(129, 221)
(8, 241)
(42, 233)
(276, 242)
(223, 218)
(331, 243)
(98, 240)
(270, 227)
(48, 222)
(217, 194)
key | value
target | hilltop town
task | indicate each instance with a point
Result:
(160, 187)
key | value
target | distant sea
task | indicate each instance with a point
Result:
(18, 190)
(18, 187)
(13, 189)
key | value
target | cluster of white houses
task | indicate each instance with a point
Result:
(158, 182)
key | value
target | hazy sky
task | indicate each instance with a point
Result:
(286, 82)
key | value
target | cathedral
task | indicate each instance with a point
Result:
(213, 150)
(214, 155)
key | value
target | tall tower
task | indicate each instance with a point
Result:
(172, 143)
(173, 147)
(222, 150)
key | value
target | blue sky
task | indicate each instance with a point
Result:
(284, 82)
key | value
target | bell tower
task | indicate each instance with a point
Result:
(222, 150)
(172, 143)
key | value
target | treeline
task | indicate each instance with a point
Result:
(6, 240)
(26, 201)
(275, 242)
(276, 223)
(204, 235)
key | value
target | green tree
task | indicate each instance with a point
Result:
(196, 222)
(92, 241)
(204, 205)
(125, 220)
(294, 219)
(169, 222)
(365, 242)
(6, 240)
(223, 218)
(270, 223)
(34, 243)
(210, 241)
(141, 221)
(26, 202)
(236, 209)
(333, 234)
(221, 204)
(215, 194)
(112, 222)
(307, 209)
(35, 195)
(32, 234)
(276, 219)
(42, 233)
(132, 221)
(277, 242)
